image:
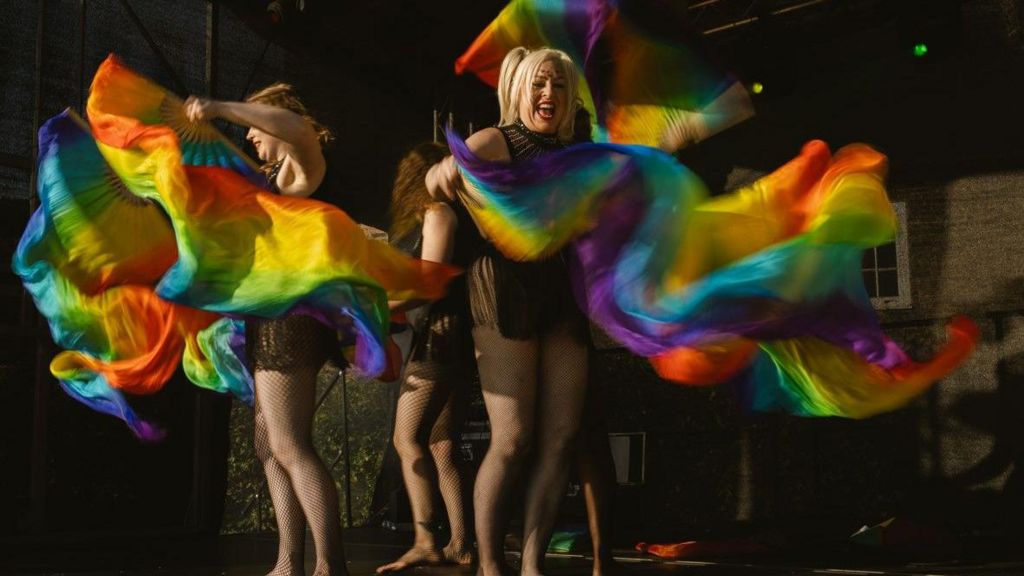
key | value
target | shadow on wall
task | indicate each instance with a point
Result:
(999, 414)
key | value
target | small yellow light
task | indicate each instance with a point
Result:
(757, 87)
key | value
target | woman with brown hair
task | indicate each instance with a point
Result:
(438, 368)
(287, 353)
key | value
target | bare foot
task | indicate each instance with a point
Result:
(458, 554)
(414, 557)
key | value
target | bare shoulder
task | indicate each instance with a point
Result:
(439, 210)
(489, 144)
(440, 213)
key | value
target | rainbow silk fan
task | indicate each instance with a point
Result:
(155, 240)
(88, 257)
(243, 250)
(118, 94)
(767, 276)
(639, 87)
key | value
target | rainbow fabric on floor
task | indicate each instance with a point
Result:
(768, 275)
(152, 245)
(640, 87)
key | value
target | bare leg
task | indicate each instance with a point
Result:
(597, 474)
(560, 406)
(291, 524)
(508, 378)
(287, 400)
(422, 397)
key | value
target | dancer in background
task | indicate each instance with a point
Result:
(594, 462)
(438, 368)
(287, 353)
(529, 334)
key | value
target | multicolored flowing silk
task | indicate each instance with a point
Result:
(641, 87)
(88, 257)
(768, 275)
(153, 244)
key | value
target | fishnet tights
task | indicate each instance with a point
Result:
(291, 524)
(424, 418)
(534, 391)
(299, 483)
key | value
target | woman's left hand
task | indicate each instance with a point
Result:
(200, 109)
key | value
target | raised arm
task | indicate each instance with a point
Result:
(304, 164)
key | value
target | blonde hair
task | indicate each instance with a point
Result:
(284, 96)
(409, 194)
(517, 71)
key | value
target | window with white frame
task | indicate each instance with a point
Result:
(886, 268)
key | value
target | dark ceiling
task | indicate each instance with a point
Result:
(421, 39)
(386, 42)
(842, 70)
(409, 47)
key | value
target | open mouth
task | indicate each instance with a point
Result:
(546, 111)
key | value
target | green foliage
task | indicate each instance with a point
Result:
(248, 508)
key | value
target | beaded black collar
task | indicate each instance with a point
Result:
(524, 143)
(546, 140)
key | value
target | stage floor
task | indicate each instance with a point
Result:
(367, 549)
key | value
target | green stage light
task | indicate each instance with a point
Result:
(920, 49)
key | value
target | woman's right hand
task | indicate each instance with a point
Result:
(199, 109)
(444, 180)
